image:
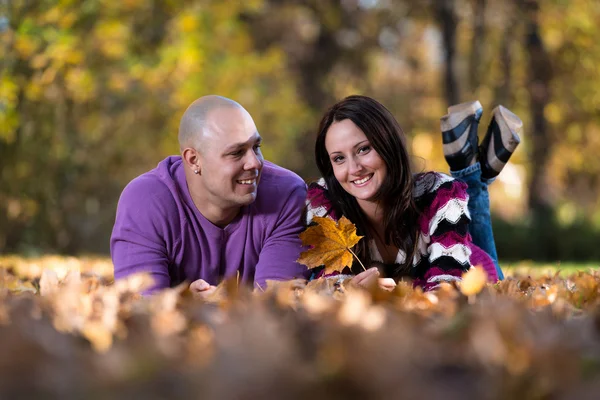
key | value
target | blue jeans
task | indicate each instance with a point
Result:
(479, 208)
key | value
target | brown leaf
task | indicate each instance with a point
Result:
(331, 243)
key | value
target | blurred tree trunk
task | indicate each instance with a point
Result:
(313, 72)
(477, 46)
(313, 59)
(446, 15)
(540, 75)
(503, 88)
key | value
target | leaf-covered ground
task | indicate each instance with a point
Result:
(67, 332)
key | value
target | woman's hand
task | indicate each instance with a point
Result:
(367, 278)
(387, 284)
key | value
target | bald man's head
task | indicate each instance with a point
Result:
(194, 122)
(220, 150)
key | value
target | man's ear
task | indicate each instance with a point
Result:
(191, 159)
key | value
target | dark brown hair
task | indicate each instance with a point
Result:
(396, 192)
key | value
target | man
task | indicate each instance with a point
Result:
(203, 217)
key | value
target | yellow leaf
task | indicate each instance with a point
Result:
(473, 281)
(99, 336)
(330, 244)
(15, 285)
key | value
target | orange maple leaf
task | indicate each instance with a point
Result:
(330, 243)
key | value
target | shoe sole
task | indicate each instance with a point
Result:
(501, 146)
(457, 114)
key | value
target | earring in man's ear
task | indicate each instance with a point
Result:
(196, 171)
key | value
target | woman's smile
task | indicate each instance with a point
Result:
(362, 181)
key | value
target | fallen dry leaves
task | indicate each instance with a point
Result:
(473, 281)
(72, 333)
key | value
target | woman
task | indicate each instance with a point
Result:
(413, 225)
(478, 166)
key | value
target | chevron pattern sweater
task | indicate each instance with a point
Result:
(445, 249)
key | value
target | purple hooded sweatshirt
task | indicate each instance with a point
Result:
(159, 230)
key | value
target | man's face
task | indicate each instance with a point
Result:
(231, 160)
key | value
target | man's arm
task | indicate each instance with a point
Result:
(277, 260)
(138, 242)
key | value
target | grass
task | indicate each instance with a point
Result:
(539, 268)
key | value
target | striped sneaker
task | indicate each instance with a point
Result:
(459, 134)
(500, 141)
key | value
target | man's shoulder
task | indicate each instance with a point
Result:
(151, 187)
(144, 186)
(279, 191)
(274, 171)
(278, 181)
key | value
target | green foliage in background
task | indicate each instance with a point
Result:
(91, 93)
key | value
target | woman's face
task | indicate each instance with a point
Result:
(356, 165)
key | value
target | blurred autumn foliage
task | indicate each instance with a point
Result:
(68, 332)
(91, 92)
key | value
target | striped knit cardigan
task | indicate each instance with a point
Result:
(445, 249)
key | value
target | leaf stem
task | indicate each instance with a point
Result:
(355, 256)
